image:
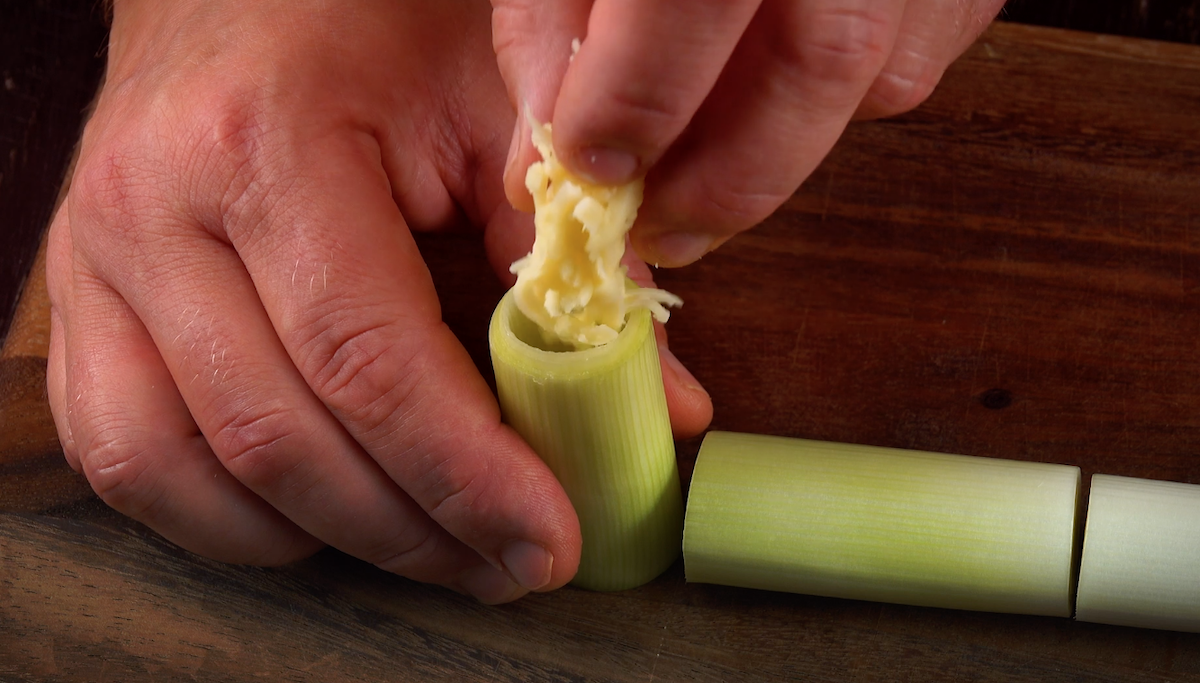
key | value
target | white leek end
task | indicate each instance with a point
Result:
(881, 524)
(1141, 554)
(598, 418)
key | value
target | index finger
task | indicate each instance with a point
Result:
(782, 102)
(355, 309)
(638, 78)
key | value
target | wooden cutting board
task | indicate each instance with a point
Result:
(1012, 270)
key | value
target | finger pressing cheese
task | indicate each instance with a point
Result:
(573, 284)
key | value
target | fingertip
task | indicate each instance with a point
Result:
(488, 585)
(529, 564)
(521, 154)
(514, 146)
(603, 164)
(681, 248)
(545, 543)
(673, 248)
(897, 90)
(508, 237)
(688, 403)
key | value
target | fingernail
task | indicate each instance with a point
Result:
(489, 585)
(687, 379)
(605, 165)
(515, 145)
(528, 563)
(673, 249)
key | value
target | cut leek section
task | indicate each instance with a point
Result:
(1141, 554)
(598, 418)
(882, 524)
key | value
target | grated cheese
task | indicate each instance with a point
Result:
(572, 285)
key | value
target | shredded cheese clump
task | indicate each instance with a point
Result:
(572, 285)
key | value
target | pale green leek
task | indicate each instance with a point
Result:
(1141, 554)
(882, 524)
(598, 418)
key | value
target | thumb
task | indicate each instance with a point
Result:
(532, 40)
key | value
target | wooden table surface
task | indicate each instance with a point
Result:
(1012, 270)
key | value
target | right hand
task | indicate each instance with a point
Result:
(725, 106)
(247, 352)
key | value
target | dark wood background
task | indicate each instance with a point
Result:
(1173, 20)
(51, 59)
(1012, 270)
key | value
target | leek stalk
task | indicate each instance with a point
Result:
(598, 418)
(1141, 554)
(882, 524)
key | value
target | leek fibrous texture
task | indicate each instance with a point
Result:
(1141, 554)
(598, 418)
(882, 524)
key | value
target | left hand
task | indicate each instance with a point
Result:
(247, 353)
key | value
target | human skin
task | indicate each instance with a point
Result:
(725, 105)
(247, 352)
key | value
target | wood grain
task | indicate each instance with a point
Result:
(84, 602)
(29, 332)
(1009, 271)
(1031, 230)
(35, 476)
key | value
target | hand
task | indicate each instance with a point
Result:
(727, 104)
(247, 352)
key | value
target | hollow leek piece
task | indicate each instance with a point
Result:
(882, 524)
(598, 418)
(1141, 554)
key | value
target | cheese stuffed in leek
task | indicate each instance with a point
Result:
(573, 284)
(578, 376)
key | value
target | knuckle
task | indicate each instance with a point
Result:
(235, 157)
(129, 194)
(407, 553)
(232, 128)
(454, 490)
(352, 368)
(646, 112)
(254, 444)
(121, 472)
(381, 382)
(339, 358)
(113, 187)
(371, 375)
(229, 124)
(515, 24)
(841, 44)
(199, 155)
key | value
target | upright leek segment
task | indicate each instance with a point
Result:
(1141, 554)
(598, 418)
(882, 524)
